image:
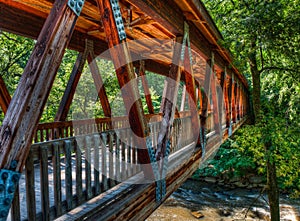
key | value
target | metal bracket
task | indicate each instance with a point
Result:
(230, 129)
(76, 6)
(203, 141)
(8, 182)
(118, 19)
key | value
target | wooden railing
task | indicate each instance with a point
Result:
(61, 174)
(58, 130)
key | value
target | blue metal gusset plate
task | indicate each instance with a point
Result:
(76, 6)
(118, 19)
(8, 182)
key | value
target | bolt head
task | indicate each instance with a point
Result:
(6, 202)
(4, 175)
(2, 188)
(11, 189)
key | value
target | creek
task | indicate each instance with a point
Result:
(199, 200)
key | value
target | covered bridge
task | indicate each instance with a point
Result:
(115, 167)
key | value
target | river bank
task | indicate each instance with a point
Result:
(200, 200)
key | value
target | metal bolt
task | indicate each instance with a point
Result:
(6, 202)
(2, 188)
(11, 189)
(80, 4)
(4, 175)
(15, 178)
(2, 214)
(14, 164)
(72, 3)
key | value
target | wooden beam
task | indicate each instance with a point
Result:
(215, 102)
(170, 101)
(146, 87)
(183, 98)
(163, 96)
(27, 105)
(68, 96)
(125, 74)
(191, 88)
(98, 79)
(233, 101)
(227, 98)
(4, 96)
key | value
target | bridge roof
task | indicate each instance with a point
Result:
(144, 19)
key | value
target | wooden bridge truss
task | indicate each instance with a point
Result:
(161, 150)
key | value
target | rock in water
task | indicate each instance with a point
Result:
(197, 214)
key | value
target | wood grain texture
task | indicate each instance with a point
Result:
(125, 74)
(31, 94)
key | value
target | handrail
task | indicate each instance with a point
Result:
(63, 129)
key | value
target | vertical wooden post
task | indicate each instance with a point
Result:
(170, 100)
(146, 87)
(237, 100)
(98, 79)
(4, 96)
(215, 102)
(125, 74)
(191, 89)
(233, 99)
(205, 96)
(227, 88)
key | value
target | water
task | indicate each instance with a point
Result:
(218, 203)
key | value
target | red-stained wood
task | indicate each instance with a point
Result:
(227, 100)
(170, 100)
(125, 74)
(4, 96)
(206, 93)
(233, 101)
(191, 90)
(146, 87)
(26, 107)
(98, 79)
(215, 103)
(237, 100)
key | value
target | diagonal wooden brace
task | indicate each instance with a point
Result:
(22, 117)
(126, 77)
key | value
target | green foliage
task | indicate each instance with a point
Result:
(230, 161)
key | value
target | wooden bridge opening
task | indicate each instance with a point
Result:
(114, 167)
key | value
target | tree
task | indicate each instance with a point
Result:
(264, 38)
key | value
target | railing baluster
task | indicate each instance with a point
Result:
(88, 176)
(15, 208)
(78, 156)
(123, 154)
(118, 157)
(68, 174)
(44, 182)
(96, 145)
(103, 162)
(111, 159)
(57, 178)
(30, 188)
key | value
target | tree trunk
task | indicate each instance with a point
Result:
(272, 190)
(256, 82)
(256, 93)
